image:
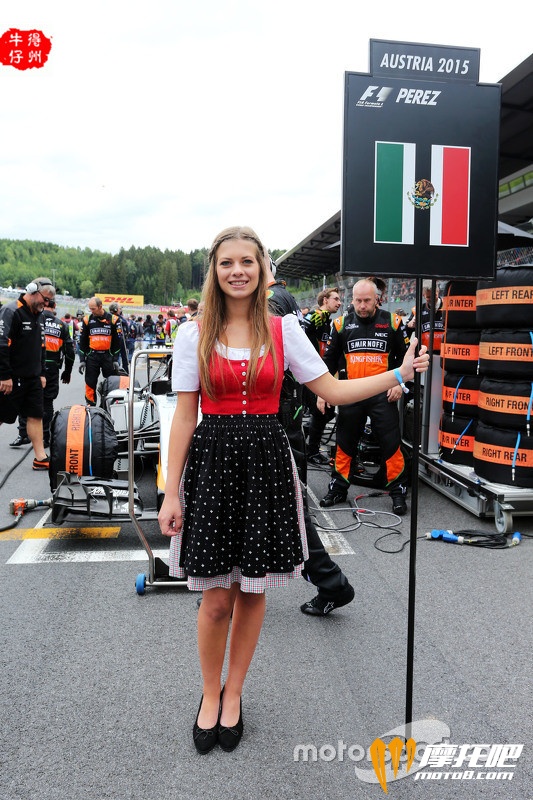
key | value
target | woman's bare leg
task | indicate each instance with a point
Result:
(213, 624)
(247, 621)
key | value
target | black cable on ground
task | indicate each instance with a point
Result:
(362, 518)
(477, 538)
(15, 465)
(345, 529)
(392, 552)
(14, 524)
(469, 537)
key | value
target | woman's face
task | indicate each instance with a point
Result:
(237, 268)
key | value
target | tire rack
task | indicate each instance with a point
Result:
(479, 496)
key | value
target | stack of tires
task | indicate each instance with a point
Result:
(503, 450)
(83, 442)
(459, 361)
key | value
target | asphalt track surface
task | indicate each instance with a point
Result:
(100, 686)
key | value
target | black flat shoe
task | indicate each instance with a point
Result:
(229, 738)
(204, 738)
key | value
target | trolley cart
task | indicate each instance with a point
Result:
(482, 498)
(157, 361)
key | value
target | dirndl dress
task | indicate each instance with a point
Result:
(242, 503)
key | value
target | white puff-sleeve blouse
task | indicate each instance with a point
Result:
(299, 355)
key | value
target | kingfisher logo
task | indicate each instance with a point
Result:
(374, 96)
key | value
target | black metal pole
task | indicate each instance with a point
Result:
(413, 531)
(426, 399)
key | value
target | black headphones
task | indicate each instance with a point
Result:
(35, 286)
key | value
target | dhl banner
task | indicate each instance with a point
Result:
(121, 299)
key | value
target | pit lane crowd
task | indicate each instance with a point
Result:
(36, 344)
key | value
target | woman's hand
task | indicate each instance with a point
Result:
(394, 394)
(322, 405)
(170, 516)
(414, 363)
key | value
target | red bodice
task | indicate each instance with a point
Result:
(229, 383)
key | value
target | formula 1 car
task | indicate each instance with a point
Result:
(109, 462)
(105, 461)
(94, 449)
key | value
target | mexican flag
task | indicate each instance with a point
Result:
(394, 206)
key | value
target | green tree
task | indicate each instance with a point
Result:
(86, 289)
(199, 264)
(160, 276)
(184, 268)
(167, 279)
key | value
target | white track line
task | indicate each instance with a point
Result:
(33, 551)
(333, 541)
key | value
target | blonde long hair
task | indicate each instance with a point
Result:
(214, 315)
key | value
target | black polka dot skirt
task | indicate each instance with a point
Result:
(242, 502)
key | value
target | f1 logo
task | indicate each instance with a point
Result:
(380, 97)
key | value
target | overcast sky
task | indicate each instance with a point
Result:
(161, 122)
